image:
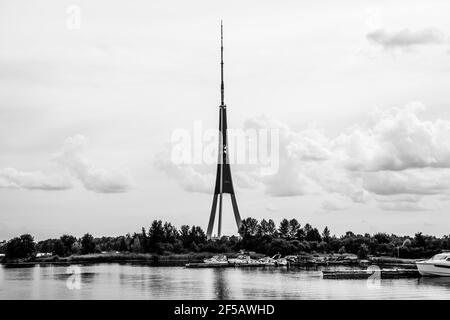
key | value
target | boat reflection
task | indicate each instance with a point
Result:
(435, 281)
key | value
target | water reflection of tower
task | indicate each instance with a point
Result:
(220, 286)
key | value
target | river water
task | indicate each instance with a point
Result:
(137, 281)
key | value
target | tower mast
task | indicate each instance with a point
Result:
(222, 86)
(222, 132)
(224, 183)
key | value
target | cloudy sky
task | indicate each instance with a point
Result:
(357, 89)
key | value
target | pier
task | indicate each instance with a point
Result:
(365, 274)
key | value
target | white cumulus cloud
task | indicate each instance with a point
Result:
(32, 180)
(394, 153)
(92, 177)
(405, 38)
(397, 140)
(188, 177)
(73, 160)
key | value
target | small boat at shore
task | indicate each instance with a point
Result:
(240, 259)
(282, 262)
(220, 259)
(267, 261)
(279, 261)
(438, 265)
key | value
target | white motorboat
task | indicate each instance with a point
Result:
(267, 261)
(217, 260)
(438, 265)
(279, 261)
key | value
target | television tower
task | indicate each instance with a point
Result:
(224, 183)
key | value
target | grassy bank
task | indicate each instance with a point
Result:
(173, 259)
(110, 257)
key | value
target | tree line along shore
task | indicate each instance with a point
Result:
(164, 242)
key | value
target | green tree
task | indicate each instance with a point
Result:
(267, 228)
(122, 245)
(67, 242)
(363, 251)
(76, 247)
(300, 236)
(197, 235)
(136, 246)
(59, 248)
(249, 228)
(263, 228)
(21, 247)
(326, 235)
(170, 233)
(294, 226)
(87, 244)
(184, 235)
(144, 241)
(313, 235)
(306, 229)
(382, 238)
(349, 234)
(46, 246)
(156, 232)
(271, 228)
(284, 228)
(419, 240)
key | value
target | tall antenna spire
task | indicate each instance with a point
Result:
(222, 87)
(224, 183)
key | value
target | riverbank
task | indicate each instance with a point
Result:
(114, 257)
(172, 259)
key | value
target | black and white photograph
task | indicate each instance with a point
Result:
(224, 151)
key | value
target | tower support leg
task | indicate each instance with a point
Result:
(219, 229)
(212, 217)
(237, 216)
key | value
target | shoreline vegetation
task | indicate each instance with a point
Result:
(163, 244)
(170, 259)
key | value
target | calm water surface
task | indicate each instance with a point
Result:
(127, 281)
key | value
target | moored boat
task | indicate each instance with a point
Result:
(279, 261)
(282, 262)
(240, 259)
(438, 265)
(219, 259)
(267, 261)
